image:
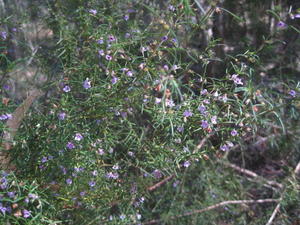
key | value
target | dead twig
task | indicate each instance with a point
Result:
(157, 185)
(276, 210)
(233, 202)
(252, 174)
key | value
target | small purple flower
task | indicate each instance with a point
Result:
(204, 124)
(26, 213)
(66, 88)
(157, 100)
(204, 92)
(2, 208)
(129, 73)
(62, 115)
(92, 183)
(33, 196)
(108, 57)
(82, 193)
(281, 24)
(127, 35)
(87, 84)
(186, 164)
(297, 16)
(111, 38)
(95, 173)
(224, 148)
(69, 181)
(157, 174)
(180, 129)
(100, 151)
(236, 79)
(11, 194)
(164, 38)
(126, 17)
(187, 113)
(292, 93)
(114, 80)
(234, 132)
(101, 52)
(6, 87)
(3, 35)
(70, 145)
(100, 41)
(202, 109)
(44, 159)
(171, 8)
(124, 115)
(166, 67)
(78, 137)
(112, 175)
(214, 120)
(93, 11)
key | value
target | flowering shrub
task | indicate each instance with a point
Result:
(129, 111)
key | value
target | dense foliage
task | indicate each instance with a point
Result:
(139, 93)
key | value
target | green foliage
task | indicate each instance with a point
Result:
(131, 104)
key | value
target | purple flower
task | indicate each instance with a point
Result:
(224, 148)
(66, 88)
(3, 35)
(93, 11)
(186, 164)
(2, 208)
(78, 137)
(5, 116)
(11, 194)
(157, 100)
(127, 35)
(111, 38)
(101, 52)
(108, 57)
(204, 124)
(166, 67)
(171, 8)
(214, 120)
(157, 174)
(70, 145)
(187, 113)
(281, 24)
(33, 196)
(129, 73)
(82, 193)
(234, 132)
(114, 80)
(100, 41)
(202, 109)
(204, 92)
(297, 16)
(44, 159)
(292, 93)
(6, 87)
(180, 129)
(236, 79)
(112, 175)
(95, 173)
(126, 17)
(164, 38)
(100, 151)
(69, 181)
(26, 213)
(87, 84)
(92, 183)
(62, 115)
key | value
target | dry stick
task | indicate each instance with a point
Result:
(233, 202)
(252, 174)
(12, 126)
(157, 185)
(273, 214)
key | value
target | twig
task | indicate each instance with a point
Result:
(252, 174)
(202, 142)
(273, 214)
(297, 169)
(157, 185)
(233, 202)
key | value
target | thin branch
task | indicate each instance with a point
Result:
(252, 174)
(233, 202)
(276, 210)
(202, 142)
(157, 185)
